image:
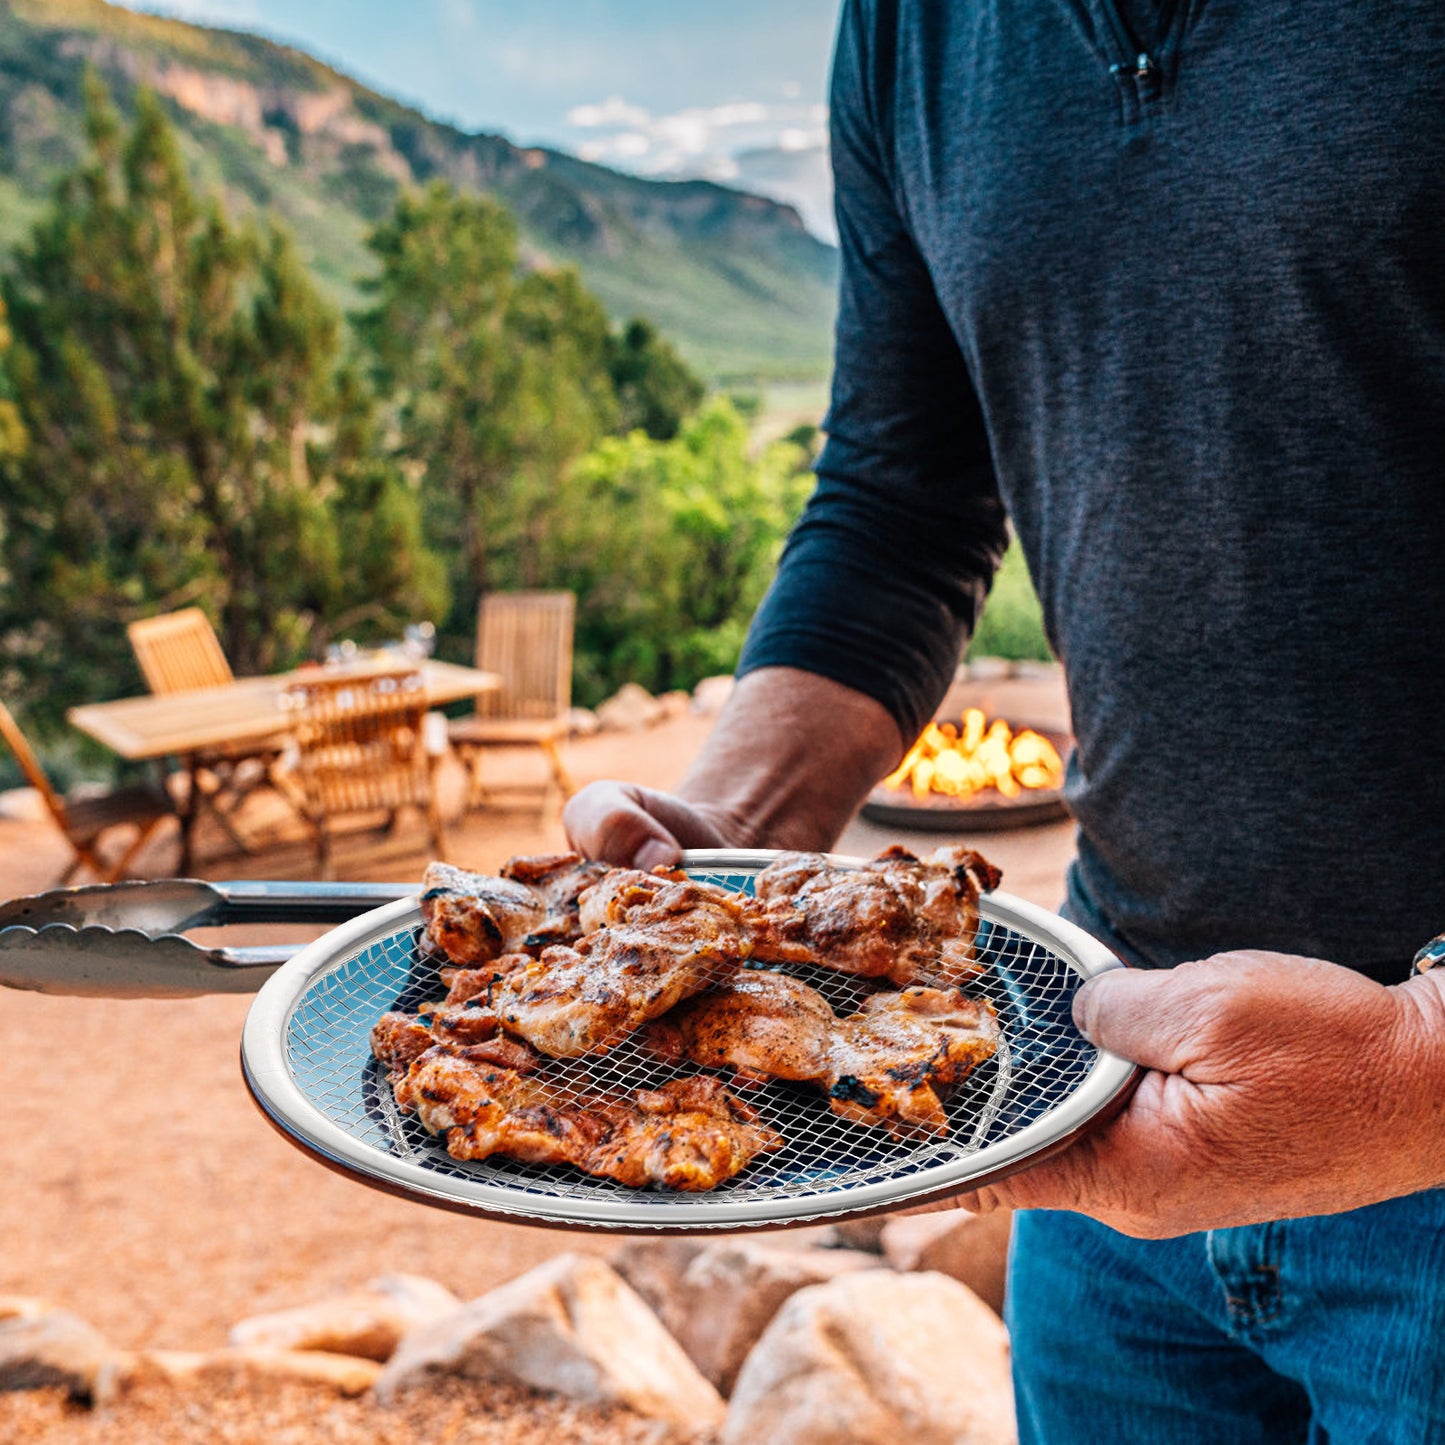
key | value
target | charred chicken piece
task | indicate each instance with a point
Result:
(690, 1134)
(473, 918)
(560, 879)
(762, 1025)
(891, 1064)
(474, 1024)
(614, 897)
(466, 984)
(670, 944)
(398, 1040)
(895, 1061)
(897, 917)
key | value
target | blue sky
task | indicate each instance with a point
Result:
(664, 87)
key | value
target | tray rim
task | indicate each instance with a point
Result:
(271, 1083)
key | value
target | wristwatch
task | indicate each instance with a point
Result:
(1432, 954)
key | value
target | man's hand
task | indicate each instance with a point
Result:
(791, 757)
(1277, 1087)
(636, 827)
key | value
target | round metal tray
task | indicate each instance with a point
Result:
(306, 1056)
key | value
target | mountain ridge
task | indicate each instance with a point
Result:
(734, 279)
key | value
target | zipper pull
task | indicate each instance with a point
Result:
(1146, 76)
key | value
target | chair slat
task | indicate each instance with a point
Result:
(179, 651)
(526, 638)
(361, 748)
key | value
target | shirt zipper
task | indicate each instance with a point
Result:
(1141, 71)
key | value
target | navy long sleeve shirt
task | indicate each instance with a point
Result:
(1165, 283)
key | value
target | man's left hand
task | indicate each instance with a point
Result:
(1277, 1086)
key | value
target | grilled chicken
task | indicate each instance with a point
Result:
(891, 1064)
(897, 1060)
(561, 879)
(563, 958)
(690, 1134)
(398, 1039)
(669, 944)
(897, 917)
(762, 1025)
(473, 918)
(613, 898)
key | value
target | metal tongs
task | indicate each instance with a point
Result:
(126, 940)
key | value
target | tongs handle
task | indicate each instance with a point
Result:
(128, 940)
(252, 901)
(102, 962)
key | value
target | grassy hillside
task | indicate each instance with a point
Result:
(735, 280)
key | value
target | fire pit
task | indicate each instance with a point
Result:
(973, 776)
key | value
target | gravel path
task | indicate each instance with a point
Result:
(450, 1414)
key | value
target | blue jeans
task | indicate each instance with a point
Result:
(1330, 1329)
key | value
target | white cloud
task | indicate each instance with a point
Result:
(696, 141)
(749, 112)
(776, 149)
(631, 143)
(614, 111)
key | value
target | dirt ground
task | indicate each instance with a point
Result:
(146, 1193)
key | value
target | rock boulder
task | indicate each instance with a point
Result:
(369, 1321)
(571, 1327)
(52, 1347)
(724, 1295)
(971, 1248)
(877, 1358)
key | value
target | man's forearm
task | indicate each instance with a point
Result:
(792, 756)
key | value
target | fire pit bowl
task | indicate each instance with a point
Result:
(987, 812)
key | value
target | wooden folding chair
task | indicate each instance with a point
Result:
(180, 652)
(361, 746)
(526, 638)
(85, 821)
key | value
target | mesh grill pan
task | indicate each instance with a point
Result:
(307, 1061)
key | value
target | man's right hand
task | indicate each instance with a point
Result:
(636, 827)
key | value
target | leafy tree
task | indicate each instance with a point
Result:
(497, 379)
(655, 388)
(564, 402)
(669, 546)
(189, 439)
(435, 338)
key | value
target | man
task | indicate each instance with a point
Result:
(1164, 283)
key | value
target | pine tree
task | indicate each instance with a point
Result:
(499, 379)
(176, 376)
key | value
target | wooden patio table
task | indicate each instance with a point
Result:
(187, 725)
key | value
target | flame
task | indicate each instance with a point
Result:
(962, 763)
